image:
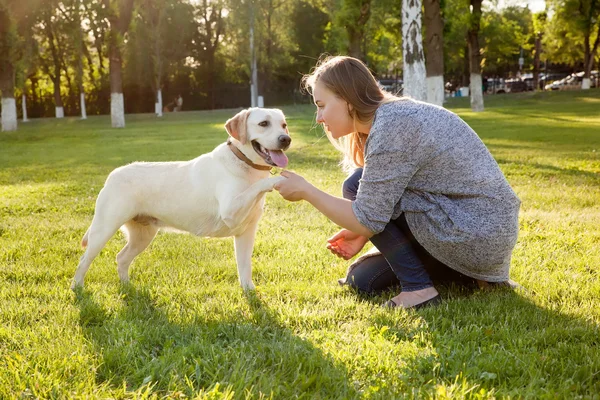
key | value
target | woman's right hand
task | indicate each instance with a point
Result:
(346, 244)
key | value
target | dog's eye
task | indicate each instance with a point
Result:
(264, 124)
(284, 126)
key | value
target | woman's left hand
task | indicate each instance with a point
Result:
(294, 187)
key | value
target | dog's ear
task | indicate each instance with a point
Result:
(236, 126)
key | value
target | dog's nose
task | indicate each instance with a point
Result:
(284, 141)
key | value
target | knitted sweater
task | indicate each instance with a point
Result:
(426, 162)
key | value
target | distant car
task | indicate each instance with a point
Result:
(391, 85)
(556, 85)
(546, 80)
(496, 86)
(516, 86)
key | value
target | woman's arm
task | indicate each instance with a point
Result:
(338, 210)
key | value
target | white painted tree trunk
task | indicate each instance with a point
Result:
(59, 112)
(476, 93)
(414, 74)
(586, 83)
(24, 107)
(9, 114)
(435, 90)
(158, 105)
(117, 110)
(82, 102)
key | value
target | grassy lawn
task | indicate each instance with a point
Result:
(184, 328)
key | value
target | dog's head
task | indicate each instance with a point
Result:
(266, 130)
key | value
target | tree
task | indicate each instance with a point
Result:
(209, 33)
(52, 29)
(539, 22)
(348, 28)
(576, 23)
(503, 35)
(474, 57)
(412, 44)
(308, 23)
(119, 17)
(434, 49)
(16, 19)
(456, 25)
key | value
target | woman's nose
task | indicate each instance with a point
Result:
(320, 119)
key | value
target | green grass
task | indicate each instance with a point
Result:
(184, 328)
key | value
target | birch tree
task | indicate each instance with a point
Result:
(434, 46)
(415, 85)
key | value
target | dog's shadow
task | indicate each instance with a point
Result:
(140, 345)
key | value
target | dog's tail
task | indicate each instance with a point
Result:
(84, 241)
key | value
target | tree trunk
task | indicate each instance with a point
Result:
(536, 61)
(24, 107)
(158, 105)
(590, 54)
(9, 105)
(412, 48)
(58, 104)
(211, 79)
(79, 43)
(474, 58)
(356, 31)
(119, 23)
(434, 45)
(117, 105)
(59, 109)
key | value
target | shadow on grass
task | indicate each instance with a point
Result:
(551, 170)
(248, 353)
(501, 342)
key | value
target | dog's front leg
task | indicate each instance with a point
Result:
(234, 211)
(244, 244)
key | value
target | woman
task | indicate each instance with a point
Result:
(426, 191)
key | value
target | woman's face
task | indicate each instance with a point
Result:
(332, 112)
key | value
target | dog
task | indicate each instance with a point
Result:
(218, 194)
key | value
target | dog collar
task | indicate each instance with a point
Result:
(245, 159)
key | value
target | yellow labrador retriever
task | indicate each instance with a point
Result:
(218, 194)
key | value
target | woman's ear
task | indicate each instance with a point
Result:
(350, 110)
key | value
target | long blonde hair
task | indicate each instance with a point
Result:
(350, 79)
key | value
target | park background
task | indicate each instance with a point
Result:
(183, 328)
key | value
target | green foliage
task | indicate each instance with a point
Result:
(505, 33)
(184, 329)
(572, 21)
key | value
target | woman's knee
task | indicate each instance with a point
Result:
(350, 185)
(372, 275)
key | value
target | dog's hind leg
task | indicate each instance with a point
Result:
(244, 244)
(97, 236)
(109, 217)
(139, 237)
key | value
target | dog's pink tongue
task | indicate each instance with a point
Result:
(279, 158)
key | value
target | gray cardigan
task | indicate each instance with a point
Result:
(424, 161)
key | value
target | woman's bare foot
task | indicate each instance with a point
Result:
(412, 299)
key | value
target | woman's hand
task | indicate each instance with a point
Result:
(346, 244)
(294, 187)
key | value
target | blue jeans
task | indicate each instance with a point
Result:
(403, 261)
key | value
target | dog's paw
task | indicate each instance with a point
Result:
(271, 182)
(75, 286)
(248, 286)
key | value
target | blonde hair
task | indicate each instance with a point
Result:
(350, 79)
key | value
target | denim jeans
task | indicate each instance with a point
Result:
(403, 261)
